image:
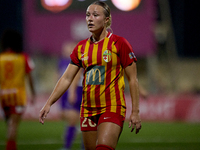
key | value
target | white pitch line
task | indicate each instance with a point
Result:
(42, 142)
(152, 140)
(162, 140)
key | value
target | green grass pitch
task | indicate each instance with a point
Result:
(153, 136)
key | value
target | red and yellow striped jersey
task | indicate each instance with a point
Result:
(103, 83)
(13, 68)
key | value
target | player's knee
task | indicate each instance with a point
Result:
(104, 147)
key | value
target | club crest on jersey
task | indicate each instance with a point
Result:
(107, 55)
(131, 55)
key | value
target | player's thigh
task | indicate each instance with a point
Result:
(108, 134)
(89, 139)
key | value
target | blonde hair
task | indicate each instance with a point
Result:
(106, 12)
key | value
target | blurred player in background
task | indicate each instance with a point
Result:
(15, 66)
(105, 57)
(71, 100)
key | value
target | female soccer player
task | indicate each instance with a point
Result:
(14, 67)
(105, 58)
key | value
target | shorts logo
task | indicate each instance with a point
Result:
(107, 55)
(95, 76)
(106, 118)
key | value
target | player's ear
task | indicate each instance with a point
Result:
(106, 20)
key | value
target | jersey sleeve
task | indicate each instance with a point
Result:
(74, 56)
(126, 53)
(29, 64)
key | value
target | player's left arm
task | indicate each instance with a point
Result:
(131, 73)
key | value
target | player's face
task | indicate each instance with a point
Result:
(95, 18)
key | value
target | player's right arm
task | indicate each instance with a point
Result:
(60, 88)
(72, 91)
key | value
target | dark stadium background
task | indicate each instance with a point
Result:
(165, 37)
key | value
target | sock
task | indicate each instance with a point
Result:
(11, 145)
(104, 147)
(69, 136)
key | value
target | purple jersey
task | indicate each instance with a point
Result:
(64, 104)
(62, 65)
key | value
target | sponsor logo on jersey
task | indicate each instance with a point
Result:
(95, 76)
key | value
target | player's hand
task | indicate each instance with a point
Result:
(43, 113)
(135, 122)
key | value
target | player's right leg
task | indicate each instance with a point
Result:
(89, 132)
(89, 139)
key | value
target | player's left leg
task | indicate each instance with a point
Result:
(109, 129)
(107, 135)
